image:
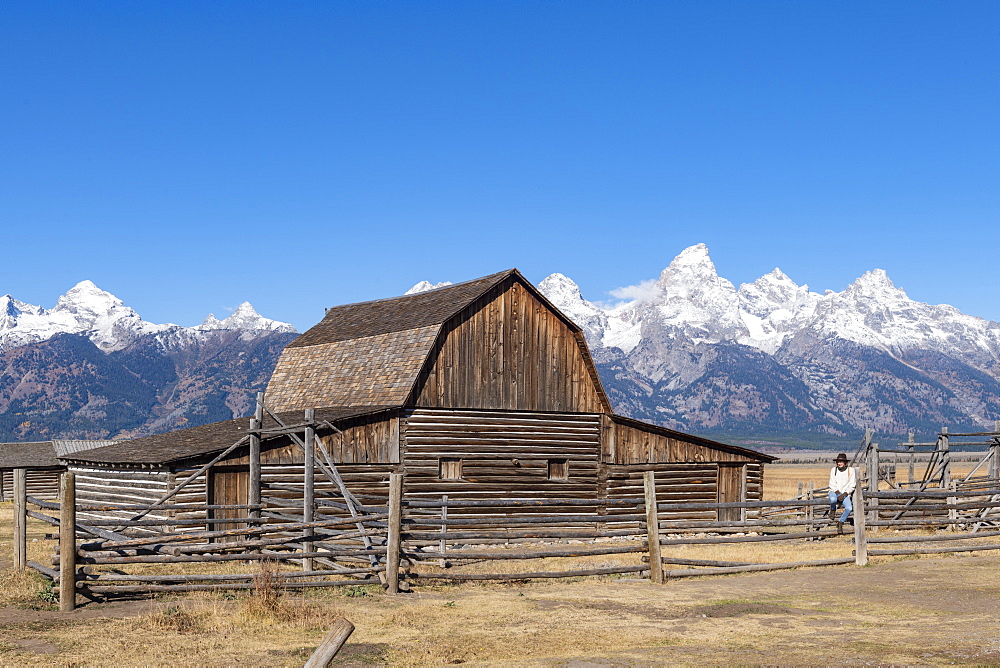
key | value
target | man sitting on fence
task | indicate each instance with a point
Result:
(842, 483)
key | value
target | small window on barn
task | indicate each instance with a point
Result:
(450, 468)
(558, 469)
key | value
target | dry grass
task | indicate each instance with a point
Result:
(781, 481)
(785, 617)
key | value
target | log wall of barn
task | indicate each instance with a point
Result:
(631, 443)
(368, 482)
(40, 483)
(509, 351)
(501, 454)
(680, 482)
(755, 481)
(119, 486)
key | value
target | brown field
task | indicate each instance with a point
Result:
(913, 611)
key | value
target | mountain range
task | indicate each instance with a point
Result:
(691, 351)
(767, 362)
(90, 367)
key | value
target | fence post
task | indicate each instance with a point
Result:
(253, 491)
(994, 472)
(652, 528)
(810, 509)
(873, 479)
(67, 542)
(860, 538)
(945, 446)
(952, 511)
(20, 519)
(309, 486)
(912, 457)
(395, 522)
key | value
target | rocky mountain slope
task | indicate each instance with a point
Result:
(90, 367)
(691, 351)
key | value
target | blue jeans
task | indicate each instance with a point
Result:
(848, 507)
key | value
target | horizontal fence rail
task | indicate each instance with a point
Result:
(392, 541)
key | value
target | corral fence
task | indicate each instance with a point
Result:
(450, 540)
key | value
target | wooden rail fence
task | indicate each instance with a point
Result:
(439, 539)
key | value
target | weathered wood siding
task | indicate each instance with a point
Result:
(732, 489)
(503, 454)
(755, 481)
(40, 483)
(677, 482)
(632, 443)
(368, 482)
(508, 350)
(119, 486)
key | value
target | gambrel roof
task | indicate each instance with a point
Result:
(372, 353)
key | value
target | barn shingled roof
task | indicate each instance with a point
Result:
(42, 454)
(208, 439)
(371, 353)
(37, 454)
(397, 314)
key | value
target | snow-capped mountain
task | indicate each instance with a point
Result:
(105, 320)
(691, 350)
(90, 367)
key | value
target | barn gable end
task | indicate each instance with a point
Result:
(510, 350)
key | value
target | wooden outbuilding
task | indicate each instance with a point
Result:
(40, 460)
(476, 390)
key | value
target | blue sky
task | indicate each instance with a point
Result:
(187, 156)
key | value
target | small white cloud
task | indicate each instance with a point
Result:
(643, 292)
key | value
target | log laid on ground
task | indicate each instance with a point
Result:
(755, 567)
(50, 573)
(937, 550)
(331, 644)
(709, 540)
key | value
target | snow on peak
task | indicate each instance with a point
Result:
(424, 286)
(873, 282)
(245, 319)
(689, 300)
(565, 294)
(87, 298)
(211, 322)
(104, 319)
(559, 284)
(693, 261)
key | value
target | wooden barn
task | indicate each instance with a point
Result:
(477, 389)
(40, 460)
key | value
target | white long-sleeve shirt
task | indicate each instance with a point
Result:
(843, 481)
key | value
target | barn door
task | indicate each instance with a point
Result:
(228, 486)
(732, 489)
